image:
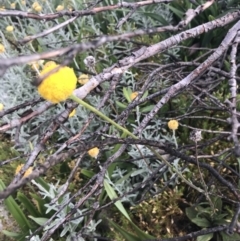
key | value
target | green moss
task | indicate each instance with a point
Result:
(7, 152)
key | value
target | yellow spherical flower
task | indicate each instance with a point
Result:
(173, 124)
(2, 49)
(23, 2)
(34, 5)
(72, 113)
(27, 173)
(59, 8)
(133, 95)
(1, 106)
(18, 169)
(93, 152)
(58, 86)
(13, 5)
(83, 79)
(37, 7)
(9, 28)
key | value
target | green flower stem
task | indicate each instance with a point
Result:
(100, 114)
(174, 138)
(127, 132)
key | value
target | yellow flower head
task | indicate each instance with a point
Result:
(37, 7)
(27, 173)
(59, 8)
(93, 152)
(13, 5)
(2, 49)
(35, 4)
(9, 28)
(83, 79)
(133, 95)
(1, 106)
(173, 124)
(59, 85)
(72, 113)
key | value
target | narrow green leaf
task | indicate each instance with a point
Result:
(129, 236)
(121, 105)
(147, 108)
(126, 93)
(211, 18)
(39, 221)
(12, 234)
(227, 65)
(126, 235)
(176, 11)
(145, 95)
(157, 17)
(125, 177)
(117, 146)
(40, 202)
(111, 168)
(15, 210)
(112, 195)
(28, 204)
(87, 173)
(42, 182)
(217, 202)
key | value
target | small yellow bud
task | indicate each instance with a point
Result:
(34, 5)
(38, 9)
(133, 95)
(83, 79)
(173, 124)
(9, 28)
(18, 169)
(27, 173)
(59, 8)
(13, 5)
(93, 152)
(23, 2)
(1, 106)
(72, 113)
(2, 49)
